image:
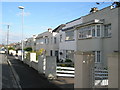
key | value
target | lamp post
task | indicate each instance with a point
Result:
(22, 8)
(8, 26)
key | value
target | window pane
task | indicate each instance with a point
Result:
(55, 40)
(98, 30)
(98, 56)
(107, 30)
(60, 38)
(69, 35)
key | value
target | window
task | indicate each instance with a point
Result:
(46, 40)
(90, 31)
(97, 56)
(51, 40)
(51, 53)
(93, 31)
(98, 30)
(55, 40)
(69, 35)
(107, 30)
(85, 32)
(69, 54)
(61, 38)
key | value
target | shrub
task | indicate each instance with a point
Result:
(68, 60)
(11, 48)
(29, 49)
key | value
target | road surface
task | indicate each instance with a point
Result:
(26, 76)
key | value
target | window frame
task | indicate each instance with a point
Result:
(84, 31)
(106, 28)
(73, 36)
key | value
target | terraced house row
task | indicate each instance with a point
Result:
(96, 32)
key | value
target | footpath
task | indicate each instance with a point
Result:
(30, 78)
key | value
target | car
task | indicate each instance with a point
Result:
(2, 51)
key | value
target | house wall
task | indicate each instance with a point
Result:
(48, 46)
(67, 45)
(106, 45)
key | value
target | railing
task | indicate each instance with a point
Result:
(100, 77)
(65, 71)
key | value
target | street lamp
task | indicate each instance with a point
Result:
(8, 26)
(21, 7)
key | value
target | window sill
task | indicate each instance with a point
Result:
(107, 36)
(69, 40)
(89, 38)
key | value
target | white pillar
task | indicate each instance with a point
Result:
(83, 65)
(50, 70)
(113, 70)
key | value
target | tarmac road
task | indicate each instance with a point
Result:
(28, 77)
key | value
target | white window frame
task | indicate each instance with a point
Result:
(55, 40)
(96, 57)
(60, 37)
(97, 30)
(84, 29)
(108, 31)
(73, 35)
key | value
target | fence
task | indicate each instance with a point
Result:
(65, 71)
(100, 77)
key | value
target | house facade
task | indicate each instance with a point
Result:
(30, 42)
(49, 42)
(99, 33)
(67, 41)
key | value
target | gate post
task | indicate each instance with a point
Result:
(83, 69)
(50, 70)
(41, 64)
(113, 70)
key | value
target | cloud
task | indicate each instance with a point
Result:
(25, 14)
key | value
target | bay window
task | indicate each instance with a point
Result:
(69, 35)
(90, 31)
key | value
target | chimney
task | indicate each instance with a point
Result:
(49, 29)
(94, 9)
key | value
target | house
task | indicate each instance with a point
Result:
(67, 41)
(98, 33)
(30, 42)
(49, 42)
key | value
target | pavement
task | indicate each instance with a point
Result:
(30, 78)
(8, 80)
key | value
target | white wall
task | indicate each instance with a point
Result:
(106, 45)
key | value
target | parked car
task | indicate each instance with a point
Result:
(2, 51)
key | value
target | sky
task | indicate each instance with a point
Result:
(39, 16)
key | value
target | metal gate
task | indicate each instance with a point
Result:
(99, 78)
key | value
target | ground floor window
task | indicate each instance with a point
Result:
(97, 56)
(51, 53)
(69, 54)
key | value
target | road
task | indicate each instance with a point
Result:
(26, 76)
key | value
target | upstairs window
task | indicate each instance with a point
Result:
(107, 30)
(98, 30)
(55, 40)
(69, 35)
(90, 31)
(46, 40)
(93, 31)
(61, 38)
